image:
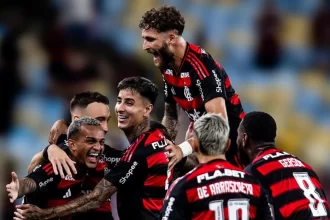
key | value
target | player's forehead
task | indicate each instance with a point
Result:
(97, 109)
(150, 33)
(92, 131)
(129, 94)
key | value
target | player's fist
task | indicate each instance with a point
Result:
(13, 187)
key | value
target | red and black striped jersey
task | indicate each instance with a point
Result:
(292, 186)
(109, 158)
(52, 190)
(199, 80)
(216, 190)
(142, 177)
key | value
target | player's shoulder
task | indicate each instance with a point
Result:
(196, 51)
(110, 151)
(155, 138)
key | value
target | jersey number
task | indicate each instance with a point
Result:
(315, 201)
(234, 205)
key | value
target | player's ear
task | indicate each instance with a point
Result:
(148, 110)
(245, 139)
(75, 117)
(72, 145)
(228, 144)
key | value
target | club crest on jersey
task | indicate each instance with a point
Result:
(184, 74)
(187, 94)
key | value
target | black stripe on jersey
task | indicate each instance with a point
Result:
(159, 169)
(154, 192)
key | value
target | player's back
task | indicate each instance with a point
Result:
(216, 190)
(293, 186)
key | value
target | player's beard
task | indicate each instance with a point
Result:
(242, 155)
(166, 56)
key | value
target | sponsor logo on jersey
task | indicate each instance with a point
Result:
(169, 208)
(104, 158)
(219, 173)
(199, 85)
(173, 91)
(129, 173)
(67, 194)
(159, 144)
(218, 81)
(184, 74)
(169, 72)
(42, 184)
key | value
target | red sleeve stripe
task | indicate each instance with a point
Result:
(201, 64)
(157, 159)
(286, 185)
(47, 166)
(152, 204)
(200, 74)
(128, 154)
(156, 181)
(293, 207)
(51, 172)
(48, 169)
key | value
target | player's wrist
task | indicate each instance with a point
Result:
(186, 148)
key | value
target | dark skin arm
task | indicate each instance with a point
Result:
(102, 191)
(171, 119)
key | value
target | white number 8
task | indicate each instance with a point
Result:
(311, 194)
(233, 206)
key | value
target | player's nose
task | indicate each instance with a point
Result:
(145, 45)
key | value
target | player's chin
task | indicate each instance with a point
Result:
(91, 165)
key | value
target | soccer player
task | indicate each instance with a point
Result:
(85, 104)
(141, 177)
(193, 80)
(215, 189)
(292, 186)
(86, 143)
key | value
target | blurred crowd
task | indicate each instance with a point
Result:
(277, 54)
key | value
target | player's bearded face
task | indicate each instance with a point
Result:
(162, 56)
(241, 144)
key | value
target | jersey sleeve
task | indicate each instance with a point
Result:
(265, 210)
(212, 82)
(175, 202)
(168, 97)
(45, 178)
(129, 169)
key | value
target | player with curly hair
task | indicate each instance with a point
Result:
(193, 80)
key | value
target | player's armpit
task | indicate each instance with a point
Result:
(217, 106)
(171, 119)
(37, 159)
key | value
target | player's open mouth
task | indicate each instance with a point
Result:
(93, 157)
(122, 118)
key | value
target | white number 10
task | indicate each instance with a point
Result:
(233, 206)
(306, 184)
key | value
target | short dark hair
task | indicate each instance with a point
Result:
(145, 87)
(75, 126)
(259, 126)
(82, 100)
(163, 19)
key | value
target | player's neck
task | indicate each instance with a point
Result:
(180, 52)
(133, 133)
(205, 159)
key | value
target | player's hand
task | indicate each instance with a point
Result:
(190, 131)
(174, 154)
(13, 187)
(59, 127)
(28, 211)
(60, 160)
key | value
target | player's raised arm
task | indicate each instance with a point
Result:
(20, 187)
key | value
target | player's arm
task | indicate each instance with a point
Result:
(171, 119)
(59, 159)
(102, 191)
(217, 106)
(20, 187)
(264, 211)
(175, 202)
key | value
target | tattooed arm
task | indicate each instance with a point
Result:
(102, 191)
(171, 119)
(20, 187)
